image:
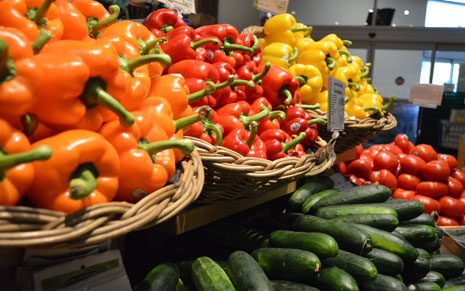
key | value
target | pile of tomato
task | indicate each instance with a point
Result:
(413, 172)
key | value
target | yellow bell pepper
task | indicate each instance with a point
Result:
(372, 105)
(311, 81)
(322, 99)
(281, 28)
(262, 42)
(279, 54)
(365, 87)
(318, 59)
(349, 74)
(301, 31)
(354, 107)
(340, 44)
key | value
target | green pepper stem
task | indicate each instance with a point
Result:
(162, 59)
(355, 85)
(146, 47)
(330, 62)
(226, 46)
(365, 71)
(41, 40)
(42, 10)
(263, 73)
(287, 94)
(240, 82)
(256, 44)
(294, 142)
(226, 83)
(376, 90)
(347, 54)
(346, 42)
(95, 94)
(196, 44)
(302, 80)
(300, 29)
(114, 14)
(212, 129)
(388, 105)
(277, 113)
(246, 120)
(309, 107)
(186, 146)
(208, 90)
(166, 28)
(316, 121)
(5, 64)
(83, 185)
(295, 53)
(29, 123)
(204, 113)
(253, 133)
(370, 108)
(41, 153)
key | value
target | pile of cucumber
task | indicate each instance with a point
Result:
(356, 239)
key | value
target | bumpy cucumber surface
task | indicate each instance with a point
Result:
(386, 262)
(362, 269)
(246, 273)
(314, 185)
(209, 276)
(162, 277)
(334, 278)
(383, 282)
(387, 222)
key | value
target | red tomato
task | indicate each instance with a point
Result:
(358, 151)
(384, 177)
(457, 174)
(407, 181)
(412, 164)
(462, 220)
(354, 180)
(393, 149)
(410, 146)
(400, 193)
(401, 156)
(368, 158)
(432, 189)
(451, 160)
(451, 207)
(402, 142)
(429, 203)
(455, 187)
(398, 170)
(340, 168)
(424, 151)
(446, 221)
(374, 149)
(437, 170)
(360, 168)
(463, 194)
(385, 160)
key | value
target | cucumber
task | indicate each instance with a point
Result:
(386, 262)
(313, 199)
(246, 273)
(459, 280)
(347, 236)
(424, 218)
(321, 244)
(418, 269)
(288, 264)
(180, 285)
(434, 277)
(362, 269)
(356, 195)
(387, 222)
(314, 185)
(336, 211)
(162, 277)
(416, 233)
(406, 209)
(448, 265)
(424, 286)
(391, 243)
(384, 283)
(429, 245)
(208, 275)
(334, 278)
(424, 253)
(455, 288)
(281, 285)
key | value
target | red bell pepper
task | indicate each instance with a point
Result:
(162, 21)
(181, 47)
(247, 143)
(247, 72)
(278, 143)
(235, 115)
(279, 86)
(269, 122)
(297, 121)
(248, 39)
(209, 130)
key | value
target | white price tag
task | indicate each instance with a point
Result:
(185, 6)
(426, 95)
(273, 6)
(336, 102)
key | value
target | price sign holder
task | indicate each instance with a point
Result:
(272, 6)
(336, 102)
(183, 6)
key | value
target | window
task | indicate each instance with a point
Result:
(442, 13)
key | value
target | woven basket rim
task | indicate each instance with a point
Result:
(22, 226)
(386, 122)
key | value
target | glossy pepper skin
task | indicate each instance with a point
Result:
(281, 28)
(82, 171)
(209, 129)
(246, 143)
(162, 21)
(279, 144)
(311, 81)
(298, 120)
(20, 75)
(280, 54)
(16, 169)
(272, 121)
(236, 115)
(181, 47)
(30, 16)
(248, 40)
(97, 16)
(145, 156)
(279, 86)
(77, 71)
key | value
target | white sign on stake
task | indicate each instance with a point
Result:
(185, 6)
(336, 102)
(273, 6)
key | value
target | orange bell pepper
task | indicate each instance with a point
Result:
(97, 17)
(16, 171)
(147, 162)
(81, 75)
(82, 171)
(30, 16)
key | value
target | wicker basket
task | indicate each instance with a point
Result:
(28, 227)
(230, 176)
(356, 131)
